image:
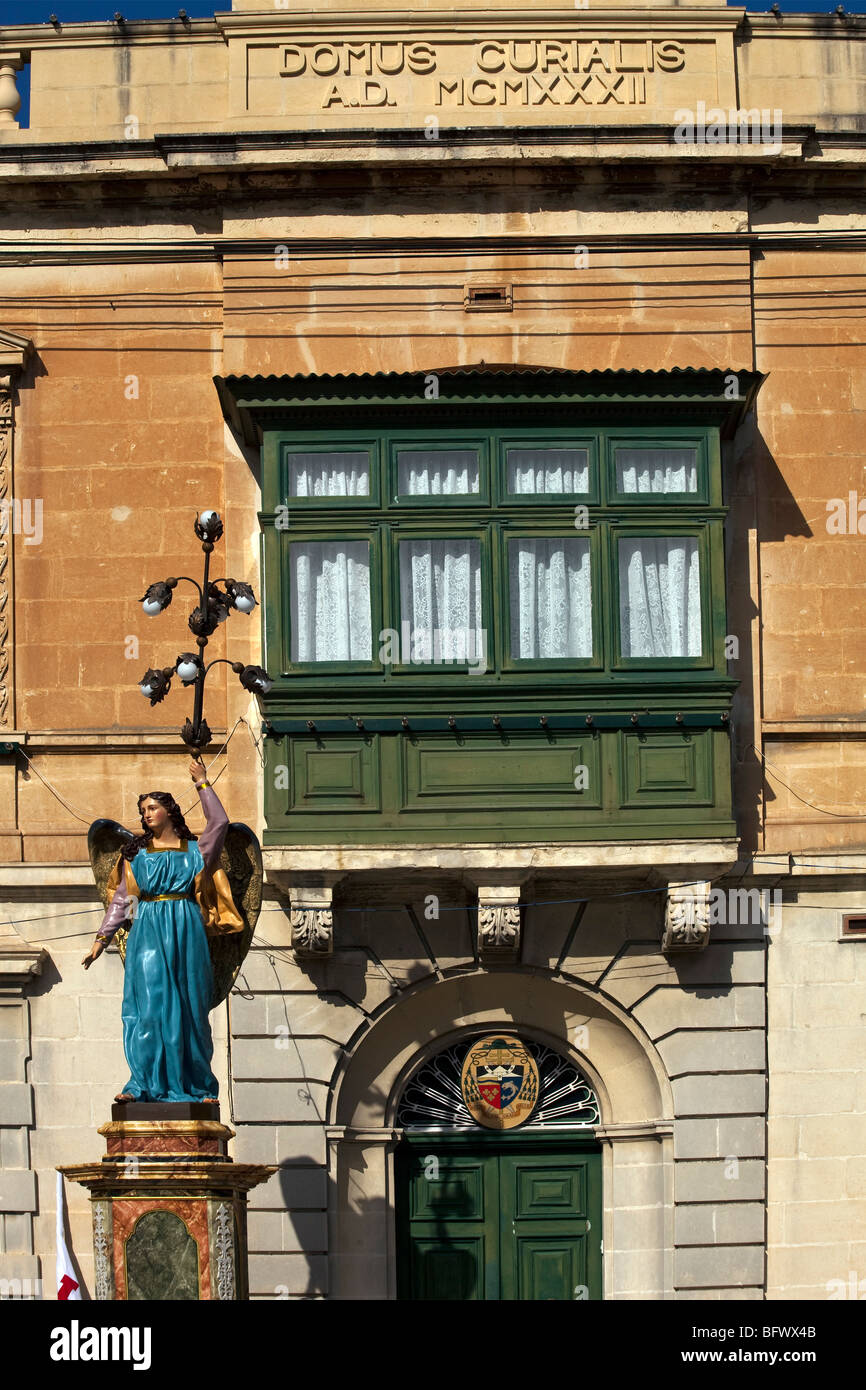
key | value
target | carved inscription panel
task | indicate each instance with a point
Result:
(595, 79)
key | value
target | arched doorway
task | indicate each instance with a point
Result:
(623, 1069)
(487, 1210)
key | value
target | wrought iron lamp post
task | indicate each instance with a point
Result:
(214, 607)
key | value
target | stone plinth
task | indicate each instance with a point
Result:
(169, 1205)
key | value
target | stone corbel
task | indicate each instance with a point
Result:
(312, 919)
(498, 921)
(687, 918)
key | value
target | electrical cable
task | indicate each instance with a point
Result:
(839, 815)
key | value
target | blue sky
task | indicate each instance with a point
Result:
(70, 11)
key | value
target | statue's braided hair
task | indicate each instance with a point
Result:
(175, 815)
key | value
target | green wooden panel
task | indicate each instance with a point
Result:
(456, 1193)
(550, 1268)
(480, 786)
(519, 772)
(448, 1235)
(448, 1268)
(496, 1218)
(550, 1226)
(661, 769)
(549, 1192)
(336, 774)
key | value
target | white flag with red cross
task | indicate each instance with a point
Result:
(67, 1280)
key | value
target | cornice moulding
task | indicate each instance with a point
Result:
(19, 962)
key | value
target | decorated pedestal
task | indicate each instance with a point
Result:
(169, 1205)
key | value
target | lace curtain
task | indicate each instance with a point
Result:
(547, 470)
(656, 470)
(660, 596)
(437, 472)
(551, 597)
(440, 597)
(329, 475)
(330, 601)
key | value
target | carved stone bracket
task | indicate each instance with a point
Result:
(498, 922)
(312, 919)
(312, 931)
(687, 918)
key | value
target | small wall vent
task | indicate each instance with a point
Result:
(479, 298)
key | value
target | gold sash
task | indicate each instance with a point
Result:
(210, 890)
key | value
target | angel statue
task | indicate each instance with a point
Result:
(183, 910)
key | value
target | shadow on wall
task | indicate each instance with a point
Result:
(760, 501)
(304, 1185)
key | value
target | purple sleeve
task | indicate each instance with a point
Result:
(212, 838)
(117, 912)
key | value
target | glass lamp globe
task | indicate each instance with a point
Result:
(146, 690)
(207, 517)
(187, 670)
(244, 603)
(151, 607)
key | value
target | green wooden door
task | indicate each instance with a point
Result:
(498, 1219)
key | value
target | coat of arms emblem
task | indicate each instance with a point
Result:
(499, 1082)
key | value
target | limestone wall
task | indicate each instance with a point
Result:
(817, 1117)
(118, 421)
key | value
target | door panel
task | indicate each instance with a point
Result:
(446, 1271)
(546, 1232)
(450, 1247)
(498, 1220)
(550, 1268)
(547, 1191)
(456, 1193)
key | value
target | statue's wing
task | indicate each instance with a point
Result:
(241, 860)
(105, 840)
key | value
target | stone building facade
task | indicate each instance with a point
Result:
(306, 273)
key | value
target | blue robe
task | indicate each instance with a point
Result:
(168, 984)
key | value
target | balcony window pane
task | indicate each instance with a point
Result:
(330, 601)
(551, 597)
(660, 596)
(537, 471)
(440, 598)
(437, 472)
(656, 470)
(338, 474)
